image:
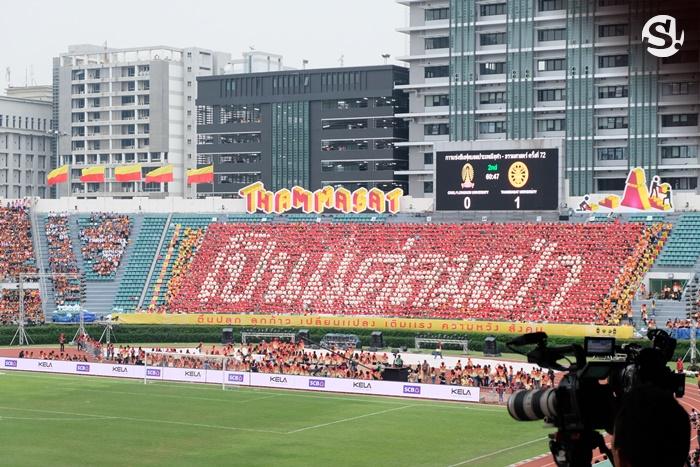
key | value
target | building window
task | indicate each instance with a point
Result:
(437, 43)
(611, 184)
(427, 158)
(205, 139)
(241, 178)
(492, 68)
(492, 127)
(437, 100)
(344, 166)
(435, 129)
(611, 92)
(612, 30)
(679, 152)
(679, 120)
(551, 64)
(679, 89)
(682, 183)
(345, 104)
(437, 14)
(355, 124)
(249, 113)
(350, 145)
(612, 123)
(497, 97)
(547, 95)
(612, 61)
(682, 56)
(437, 71)
(551, 5)
(492, 9)
(612, 154)
(546, 35)
(551, 124)
(492, 38)
(237, 158)
(612, 2)
(428, 188)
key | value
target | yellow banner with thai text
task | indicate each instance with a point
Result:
(375, 323)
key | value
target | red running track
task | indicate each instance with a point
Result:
(689, 401)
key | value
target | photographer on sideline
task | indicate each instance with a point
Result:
(651, 430)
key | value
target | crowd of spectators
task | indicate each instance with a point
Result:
(62, 260)
(16, 248)
(104, 241)
(53, 355)
(9, 306)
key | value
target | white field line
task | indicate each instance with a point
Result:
(49, 419)
(484, 456)
(348, 419)
(147, 420)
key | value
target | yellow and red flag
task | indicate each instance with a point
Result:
(128, 173)
(201, 175)
(94, 174)
(160, 175)
(59, 175)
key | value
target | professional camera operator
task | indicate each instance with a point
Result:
(651, 430)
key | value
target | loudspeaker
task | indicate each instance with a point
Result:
(227, 336)
(377, 340)
(395, 374)
(491, 347)
(303, 335)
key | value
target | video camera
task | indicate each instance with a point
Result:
(589, 395)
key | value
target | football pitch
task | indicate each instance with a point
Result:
(63, 420)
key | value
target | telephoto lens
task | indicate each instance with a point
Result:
(534, 404)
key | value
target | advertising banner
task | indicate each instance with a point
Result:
(378, 323)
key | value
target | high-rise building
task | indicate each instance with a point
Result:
(575, 70)
(25, 147)
(309, 128)
(118, 107)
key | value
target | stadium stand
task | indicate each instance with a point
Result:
(16, 248)
(528, 272)
(61, 259)
(104, 238)
(683, 248)
(9, 306)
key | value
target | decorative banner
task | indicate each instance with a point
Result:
(160, 175)
(202, 175)
(128, 173)
(93, 174)
(59, 175)
(257, 198)
(374, 323)
(636, 197)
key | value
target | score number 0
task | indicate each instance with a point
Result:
(468, 202)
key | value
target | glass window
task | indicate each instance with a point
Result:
(545, 35)
(681, 183)
(610, 123)
(679, 120)
(355, 124)
(551, 5)
(679, 89)
(546, 95)
(349, 145)
(246, 113)
(492, 127)
(437, 42)
(437, 14)
(612, 61)
(611, 92)
(611, 154)
(381, 166)
(678, 152)
(497, 97)
(436, 129)
(345, 104)
(612, 30)
(551, 124)
(344, 166)
(611, 184)
(492, 68)
(492, 38)
(492, 9)
(437, 100)
(428, 158)
(428, 187)
(551, 64)
(437, 71)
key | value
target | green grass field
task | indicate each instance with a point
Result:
(62, 420)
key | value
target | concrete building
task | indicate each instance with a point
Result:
(40, 92)
(309, 128)
(576, 70)
(25, 147)
(125, 106)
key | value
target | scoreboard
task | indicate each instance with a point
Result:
(506, 180)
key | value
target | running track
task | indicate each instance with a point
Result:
(690, 400)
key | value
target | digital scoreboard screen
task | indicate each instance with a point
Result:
(507, 180)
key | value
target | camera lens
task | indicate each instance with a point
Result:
(534, 404)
